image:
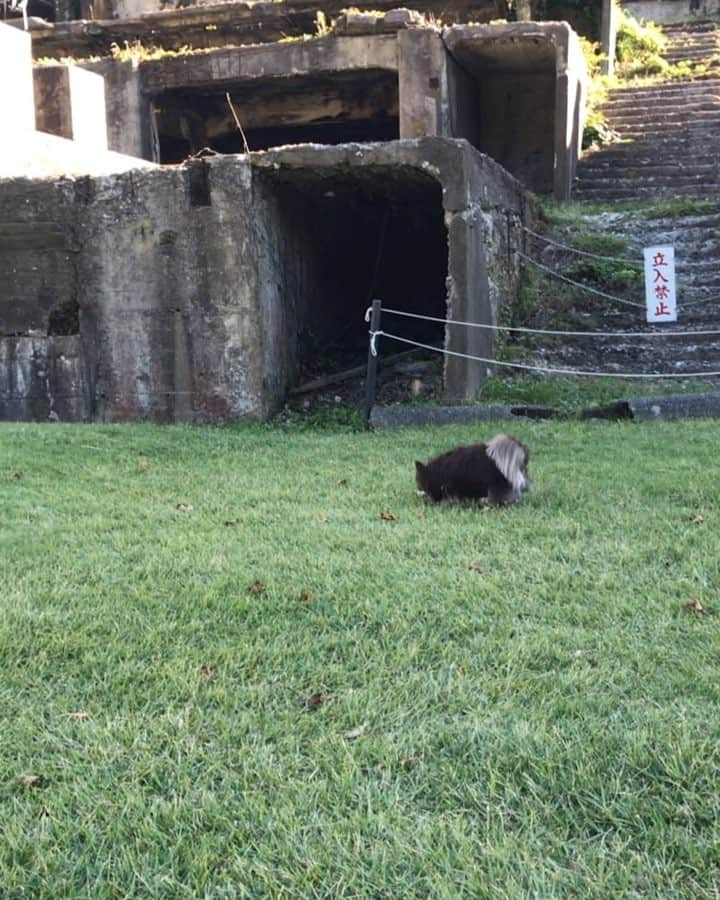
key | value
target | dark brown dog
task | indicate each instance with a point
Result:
(497, 470)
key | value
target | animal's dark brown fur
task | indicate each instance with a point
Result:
(497, 470)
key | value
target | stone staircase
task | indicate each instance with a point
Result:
(669, 132)
(668, 158)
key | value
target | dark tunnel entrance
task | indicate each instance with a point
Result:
(352, 238)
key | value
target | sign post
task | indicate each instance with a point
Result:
(660, 298)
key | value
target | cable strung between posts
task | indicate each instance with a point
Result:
(552, 369)
(579, 284)
(613, 334)
(620, 259)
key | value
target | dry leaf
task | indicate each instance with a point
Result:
(208, 672)
(694, 605)
(387, 517)
(183, 507)
(316, 700)
(78, 714)
(33, 781)
(475, 567)
(307, 597)
(342, 482)
(699, 519)
(320, 517)
(257, 587)
(356, 732)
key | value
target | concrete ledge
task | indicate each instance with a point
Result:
(382, 417)
(42, 155)
(673, 406)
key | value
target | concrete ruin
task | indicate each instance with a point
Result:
(193, 290)
(190, 293)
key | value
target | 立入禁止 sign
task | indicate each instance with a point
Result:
(660, 284)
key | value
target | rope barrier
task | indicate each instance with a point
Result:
(620, 259)
(579, 284)
(551, 369)
(612, 334)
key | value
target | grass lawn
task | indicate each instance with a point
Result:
(412, 727)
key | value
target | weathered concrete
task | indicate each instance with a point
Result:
(70, 103)
(530, 81)
(383, 417)
(189, 288)
(129, 116)
(671, 406)
(43, 378)
(515, 91)
(423, 84)
(17, 112)
(220, 24)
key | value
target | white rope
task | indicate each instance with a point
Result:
(551, 369)
(620, 259)
(579, 284)
(612, 334)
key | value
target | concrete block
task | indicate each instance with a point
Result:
(70, 103)
(17, 110)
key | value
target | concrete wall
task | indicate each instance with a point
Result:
(190, 285)
(516, 92)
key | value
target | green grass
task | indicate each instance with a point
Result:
(546, 727)
(576, 214)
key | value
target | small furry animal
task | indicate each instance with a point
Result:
(497, 470)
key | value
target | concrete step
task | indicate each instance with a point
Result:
(666, 89)
(641, 192)
(679, 115)
(598, 172)
(673, 29)
(678, 183)
(641, 154)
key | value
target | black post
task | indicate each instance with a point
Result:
(372, 365)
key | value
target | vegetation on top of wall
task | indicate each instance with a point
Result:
(639, 47)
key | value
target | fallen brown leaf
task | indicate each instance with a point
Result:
(387, 517)
(183, 507)
(78, 714)
(257, 587)
(475, 567)
(694, 605)
(316, 700)
(699, 519)
(307, 597)
(356, 732)
(208, 672)
(33, 781)
(320, 517)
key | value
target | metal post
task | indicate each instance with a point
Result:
(372, 364)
